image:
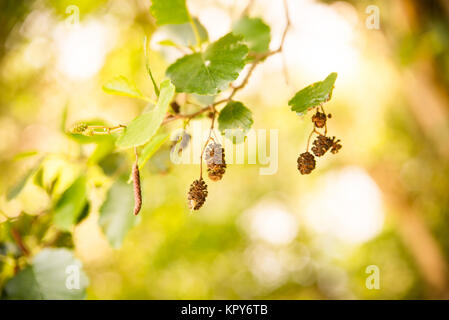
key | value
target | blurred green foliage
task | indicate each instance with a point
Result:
(65, 197)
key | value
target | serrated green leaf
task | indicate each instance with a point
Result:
(123, 87)
(255, 33)
(210, 72)
(151, 147)
(176, 35)
(71, 204)
(169, 11)
(235, 120)
(54, 274)
(313, 95)
(116, 213)
(143, 128)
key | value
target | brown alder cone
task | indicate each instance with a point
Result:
(319, 119)
(321, 145)
(215, 158)
(197, 194)
(137, 189)
(306, 163)
(336, 146)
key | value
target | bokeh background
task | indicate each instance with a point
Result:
(383, 200)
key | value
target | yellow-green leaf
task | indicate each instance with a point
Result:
(144, 127)
(169, 11)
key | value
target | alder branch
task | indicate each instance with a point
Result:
(18, 239)
(258, 58)
(247, 8)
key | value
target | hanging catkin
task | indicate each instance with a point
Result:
(137, 189)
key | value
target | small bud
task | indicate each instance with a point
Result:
(79, 128)
(175, 107)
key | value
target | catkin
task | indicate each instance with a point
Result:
(137, 189)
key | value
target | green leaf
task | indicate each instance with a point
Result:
(182, 34)
(169, 11)
(143, 128)
(25, 154)
(255, 33)
(71, 204)
(235, 120)
(123, 87)
(54, 274)
(313, 95)
(18, 187)
(101, 151)
(168, 43)
(116, 213)
(210, 72)
(149, 149)
(64, 115)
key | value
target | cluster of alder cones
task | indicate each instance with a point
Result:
(216, 167)
(322, 143)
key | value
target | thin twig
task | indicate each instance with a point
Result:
(106, 130)
(207, 141)
(18, 239)
(247, 8)
(325, 123)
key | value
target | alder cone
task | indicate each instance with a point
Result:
(197, 194)
(321, 145)
(336, 146)
(319, 119)
(216, 164)
(306, 163)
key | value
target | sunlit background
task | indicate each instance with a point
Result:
(383, 200)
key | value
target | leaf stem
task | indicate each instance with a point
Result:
(195, 30)
(106, 130)
(207, 141)
(147, 64)
(18, 239)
